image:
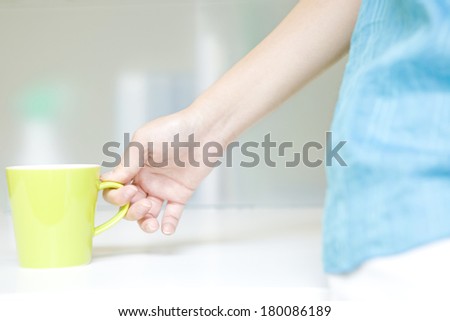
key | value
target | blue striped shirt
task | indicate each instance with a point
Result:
(394, 112)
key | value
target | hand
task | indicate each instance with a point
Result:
(147, 187)
(313, 35)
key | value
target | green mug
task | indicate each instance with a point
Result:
(53, 208)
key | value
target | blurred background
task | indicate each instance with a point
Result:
(75, 74)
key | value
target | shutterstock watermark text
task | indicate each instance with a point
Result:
(193, 153)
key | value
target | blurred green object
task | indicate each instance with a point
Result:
(42, 102)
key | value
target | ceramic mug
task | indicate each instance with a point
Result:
(53, 209)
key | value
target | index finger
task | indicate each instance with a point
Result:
(121, 196)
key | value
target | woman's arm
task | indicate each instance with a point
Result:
(314, 35)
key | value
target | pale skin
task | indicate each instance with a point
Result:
(314, 35)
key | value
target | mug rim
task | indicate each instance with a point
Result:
(51, 167)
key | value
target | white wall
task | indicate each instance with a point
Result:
(76, 74)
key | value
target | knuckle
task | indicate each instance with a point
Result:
(172, 218)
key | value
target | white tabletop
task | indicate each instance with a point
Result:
(213, 247)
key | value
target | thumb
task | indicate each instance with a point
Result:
(131, 163)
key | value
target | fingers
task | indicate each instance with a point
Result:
(172, 215)
(140, 205)
(145, 209)
(149, 224)
(139, 209)
(121, 196)
(145, 206)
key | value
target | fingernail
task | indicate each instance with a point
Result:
(168, 229)
(150, 226)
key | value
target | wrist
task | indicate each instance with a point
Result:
(213, 120)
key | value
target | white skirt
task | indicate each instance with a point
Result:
(423, 272)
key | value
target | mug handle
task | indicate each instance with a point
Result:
(116, 218)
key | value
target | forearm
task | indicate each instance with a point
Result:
(314, 35)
